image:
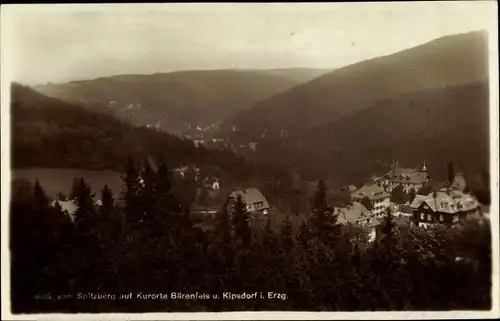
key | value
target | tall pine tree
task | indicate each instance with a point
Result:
(148, 194)
(241, 222)
(130, 194)
(107, 206)
(41, 200)
(322, 220)
(451, 173)
(287, 234)
(84, 201)
(74, 189)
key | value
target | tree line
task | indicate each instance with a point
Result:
(151, 244)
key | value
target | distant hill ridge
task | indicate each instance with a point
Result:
(51, 133)
(172, 100)
(442, 63)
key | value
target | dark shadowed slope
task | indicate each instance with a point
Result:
(445, 62)
(175, 99)
(435, 126)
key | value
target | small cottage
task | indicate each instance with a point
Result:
(255, 201)
(358, 215)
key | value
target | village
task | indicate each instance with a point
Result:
(408, 194)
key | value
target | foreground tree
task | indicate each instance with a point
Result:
(107, 203)
(241, 223)
(323, 222)
(130, 194)
(451, 173)
(398, 196)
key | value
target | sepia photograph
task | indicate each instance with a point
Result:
(263, 158)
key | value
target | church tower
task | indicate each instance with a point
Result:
(424, 168)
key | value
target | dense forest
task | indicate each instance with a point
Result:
(153, 245)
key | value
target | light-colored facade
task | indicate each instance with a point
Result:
(408, 178)
(358, 215)
(379, 198)
(254, 200)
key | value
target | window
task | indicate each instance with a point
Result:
(422, 216)
(441, 218)
(455, 218)
(429, 217)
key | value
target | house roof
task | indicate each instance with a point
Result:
(67, 206)
(418, 200)
(372, 191)
(406, 175)
(250, 196)
(351, 213)
(352, 188)
(447, 201)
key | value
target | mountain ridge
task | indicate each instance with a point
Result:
(447, 61)
(175, 99)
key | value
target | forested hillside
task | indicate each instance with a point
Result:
(440, 64)
(174, 100)
(434, 126)
(47, 132)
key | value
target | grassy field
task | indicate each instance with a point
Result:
(54, 181)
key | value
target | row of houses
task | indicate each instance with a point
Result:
(443, 205)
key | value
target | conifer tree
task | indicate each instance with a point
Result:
(84, 200)
(411, 195)
(74, 188)
(148, 191)
(167, 204)
(130, 193)
(398, 195)
(287, 234)
(107, 206)
(224, 239)
(451, 173)
(319, 201)
(57, 208)
(322, 220)
(241, 222)
(269, 235)
(224, 224)
(41, 200)
(304, 234)
(388, 225)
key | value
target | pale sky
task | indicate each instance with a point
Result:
(58, 43)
